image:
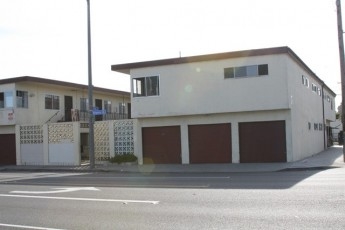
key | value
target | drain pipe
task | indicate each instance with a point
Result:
(325, 145)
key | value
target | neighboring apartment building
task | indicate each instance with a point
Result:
(31, 100)
(263, 105)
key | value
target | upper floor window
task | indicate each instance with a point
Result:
(319, 91)
(84, 104)
(146, 86)
(305, 81)
(107, 106)
(22, 99)
(6, 99)
(314, 88)
(246, 71)
(52, 102)
(122, 108)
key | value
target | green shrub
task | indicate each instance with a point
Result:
(130, 157)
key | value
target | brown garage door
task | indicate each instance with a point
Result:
(162, 145)
(8, 149)
(210, 143)
(262, 142)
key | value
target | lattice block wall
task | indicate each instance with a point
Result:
(123, 135)
(60, 132)
(101, 140)
(31, 134)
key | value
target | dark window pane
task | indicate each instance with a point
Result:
(241, 71)
(48, 102)
(2, 100)
(263, 69)
(152, 86)
(229, 73)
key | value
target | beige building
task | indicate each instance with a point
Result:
(30, 100)
(263, 105)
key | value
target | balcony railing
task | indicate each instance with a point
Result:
(78, 115)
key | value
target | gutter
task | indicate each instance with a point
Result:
(323, 116)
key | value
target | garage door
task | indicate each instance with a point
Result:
(8, 149)
(162, 145)
(262, 142)
(210, 143)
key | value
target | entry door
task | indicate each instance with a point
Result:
(99, 105)
(68, 108)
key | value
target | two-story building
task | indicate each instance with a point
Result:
(31, 100)
(263, 105)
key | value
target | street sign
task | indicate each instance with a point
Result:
(99, 112)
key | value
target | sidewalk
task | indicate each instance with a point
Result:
(332, 157)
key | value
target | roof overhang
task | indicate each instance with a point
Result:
(125, 68)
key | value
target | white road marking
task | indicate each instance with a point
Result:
(157, 177)
(58, 190)
(81, 199)
(8, 177)
(27, 227)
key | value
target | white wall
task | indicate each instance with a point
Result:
(36, 112)
(200, 88)
(307, 108)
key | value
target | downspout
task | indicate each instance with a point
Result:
(323, 117)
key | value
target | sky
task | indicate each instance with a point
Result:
(48, 38)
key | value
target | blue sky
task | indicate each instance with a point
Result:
(47, 38)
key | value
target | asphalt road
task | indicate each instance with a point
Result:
(279, 200)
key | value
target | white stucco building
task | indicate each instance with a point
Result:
(37, 101)
(263, 105)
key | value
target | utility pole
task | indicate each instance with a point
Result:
(342, 65)
(90, 92)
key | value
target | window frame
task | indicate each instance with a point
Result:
(23, 99)
(146, 86)
(84, 102)
(55, 104)
(305, 81)
(107, 106)
(247, 71)
(6, 100)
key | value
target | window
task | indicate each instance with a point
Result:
(316, 126)
(320, 126)
(319, 91)
(52, 102)
(146, 86)
(84, 104)
(6, 100)
(246, 71)
(314, 88)
(122, 108)
(22, 99)
(107, 106)
(305, 81)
